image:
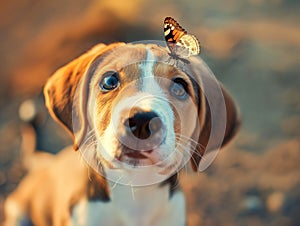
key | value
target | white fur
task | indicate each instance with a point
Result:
(133, 206)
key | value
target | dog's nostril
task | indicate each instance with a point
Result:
(144, 124)
(155, 125)
(132, 124)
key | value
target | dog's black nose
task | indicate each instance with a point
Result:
(144, 124)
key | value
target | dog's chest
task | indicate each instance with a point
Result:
(147, 206)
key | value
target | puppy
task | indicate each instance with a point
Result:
(136, 120)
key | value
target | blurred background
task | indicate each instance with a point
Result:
(252, 46)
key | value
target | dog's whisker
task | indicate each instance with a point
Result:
(98, 164)
(181, 158)
(86, 149)
(188, 139)
(198, 154)
(83, 152)
(185, 170)
(89, 174)
(182, 148)
(191, 157)
(88, 139)
(89, 132)
(191, 154)
(185, 143)
(178, 172)
(116, 182)
(132, 192)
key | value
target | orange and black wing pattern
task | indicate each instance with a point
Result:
(173, 32)
(179, 42)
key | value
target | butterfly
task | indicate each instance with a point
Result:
(180, 43)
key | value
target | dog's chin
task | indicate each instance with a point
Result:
(125, 158)
(139, 157)
(150, 161)
(135, 162)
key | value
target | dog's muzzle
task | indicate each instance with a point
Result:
(145, 132)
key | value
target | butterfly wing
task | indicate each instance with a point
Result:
(188, 45)
(178, 41)
(173, 32)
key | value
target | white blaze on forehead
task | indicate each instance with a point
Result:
(152, 96)
(149, 84)
(147, 75)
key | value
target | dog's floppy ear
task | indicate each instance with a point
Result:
(218, 117)
(67, 90)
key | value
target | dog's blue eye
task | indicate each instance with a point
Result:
(110, 81)
(179, 88)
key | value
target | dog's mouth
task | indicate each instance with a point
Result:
(136, 155)
(144, 157)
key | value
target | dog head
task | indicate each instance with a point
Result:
(127, 107)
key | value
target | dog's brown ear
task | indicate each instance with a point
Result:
(66, 91)
(218, 117)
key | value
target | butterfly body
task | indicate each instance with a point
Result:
(180, 43)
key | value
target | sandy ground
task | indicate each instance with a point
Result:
(253, 47)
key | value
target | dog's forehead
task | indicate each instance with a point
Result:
(129, 54)
(135, 60)
(141, 51)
